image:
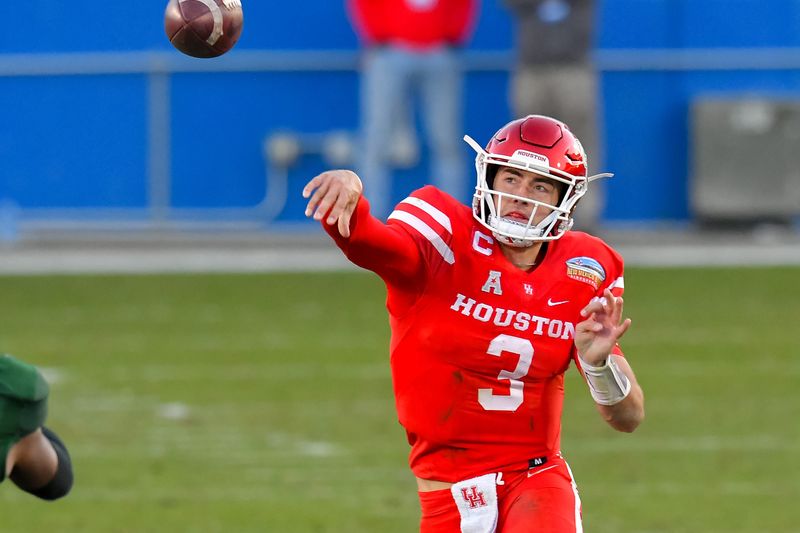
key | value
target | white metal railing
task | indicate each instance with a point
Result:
(159, 66)
(148, 62)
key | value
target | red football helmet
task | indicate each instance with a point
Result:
(537, 144)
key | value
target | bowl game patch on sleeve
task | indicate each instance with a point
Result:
(587, 270)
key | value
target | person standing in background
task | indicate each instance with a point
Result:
(411, 49)
(555, 76)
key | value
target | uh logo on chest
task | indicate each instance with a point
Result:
(514, 319)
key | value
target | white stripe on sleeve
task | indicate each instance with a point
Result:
(618, 283)
(427, 232)
(437, 215)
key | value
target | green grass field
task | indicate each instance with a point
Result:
(230, 403)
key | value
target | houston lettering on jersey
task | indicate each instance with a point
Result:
(521, 321)
(461, 392)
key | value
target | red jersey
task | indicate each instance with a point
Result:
(479, 347)
(413, 23)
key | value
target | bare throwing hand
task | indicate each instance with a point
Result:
(597, 335)
(337, 191)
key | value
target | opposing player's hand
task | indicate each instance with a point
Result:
(337, 191)
(596, 336)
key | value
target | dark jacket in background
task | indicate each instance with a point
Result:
(553, 31)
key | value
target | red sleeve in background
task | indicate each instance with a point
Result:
(445, 22)
(463, 20)
(366, 19)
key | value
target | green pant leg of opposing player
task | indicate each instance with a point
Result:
(23, 403)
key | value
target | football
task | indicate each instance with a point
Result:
(203, 28)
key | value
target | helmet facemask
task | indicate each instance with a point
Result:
(538, 145)
(488, 203)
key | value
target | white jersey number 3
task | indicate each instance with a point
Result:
(511, 401)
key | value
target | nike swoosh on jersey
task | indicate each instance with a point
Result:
(551, 303)
(534, 472)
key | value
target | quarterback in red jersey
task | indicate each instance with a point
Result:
(488, 307)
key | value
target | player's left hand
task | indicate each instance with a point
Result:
(596, 336)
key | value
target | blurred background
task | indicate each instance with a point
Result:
(110, 128)
(196, 399)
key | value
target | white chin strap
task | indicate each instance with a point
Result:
(519, 234)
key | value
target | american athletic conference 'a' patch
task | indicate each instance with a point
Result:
(587, 270)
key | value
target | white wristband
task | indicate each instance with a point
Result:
(608, 385)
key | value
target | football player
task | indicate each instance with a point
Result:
(488, 306)
(33, 456)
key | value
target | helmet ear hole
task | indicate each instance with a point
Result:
(562, 190)
(491, 172)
